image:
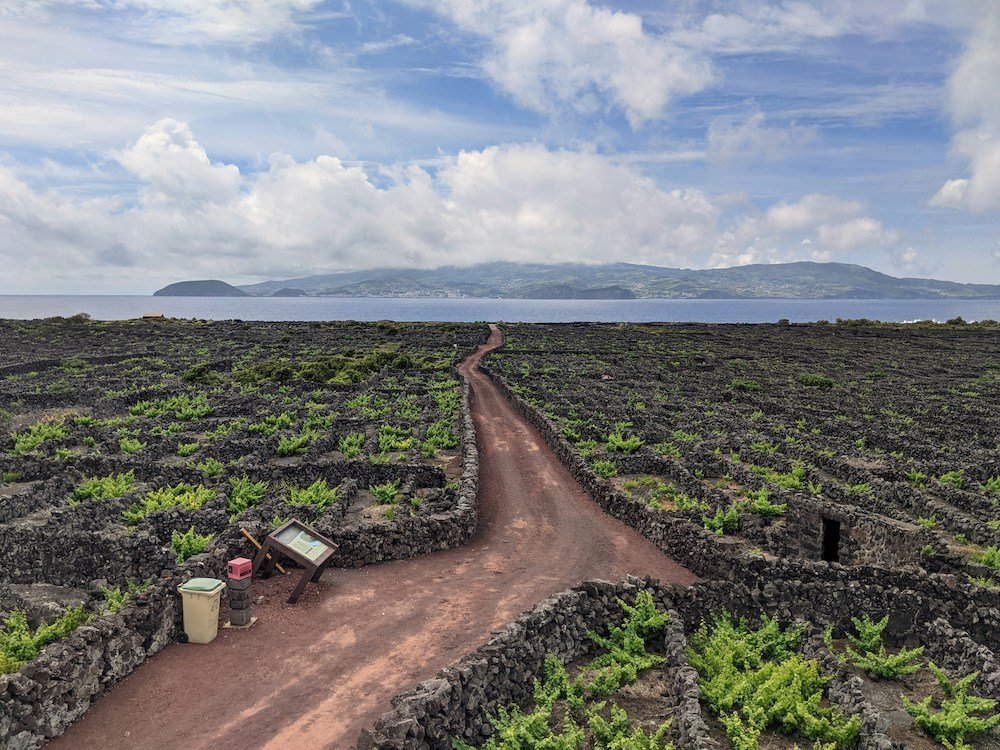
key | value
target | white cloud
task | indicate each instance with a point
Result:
(753, 26)
(749, 137)
(855, 233)
(974, 103)
(384, 45)
(809, 212)
(817, 227)
(551, 54)
(183, 22)
(175, 167)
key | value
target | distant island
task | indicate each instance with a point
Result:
(802, 280)
(207, 288)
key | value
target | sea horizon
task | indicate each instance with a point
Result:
(432, 309)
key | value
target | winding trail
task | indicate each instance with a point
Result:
(311, 676)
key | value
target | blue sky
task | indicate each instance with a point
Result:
(147, 141)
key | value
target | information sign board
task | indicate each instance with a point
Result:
(299, 542)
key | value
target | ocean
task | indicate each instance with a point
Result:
(510, 310)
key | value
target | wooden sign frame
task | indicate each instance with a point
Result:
(301, 543)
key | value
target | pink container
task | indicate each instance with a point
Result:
(240, 568)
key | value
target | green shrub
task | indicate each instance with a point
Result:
(990, 557)
(38, 433)
(954, 478)
(210, 466)
(759, 502)
(663, 495)
(868, 635)
(888, 666)
(667, 449)
(440, 436)
(183, 407)
(387, 492)
(336, 368)
(446, 396)
(202, 373)
(814, 380)
(392, 439)
(185, 495)
(103, 488)
(274, 422)
(187, 449)
(116, 597)
(318, 494)
(351, 444)
(244, 494)
(744, 384)
(753, 680)
(618, 442)
(189, 544)
(294, 445)
(685, 437)
(795, 479)
(542, 728)
(625, 647)
(960, 715)
(871, 655)
(129, 446)
(603, 468)
(19, 644)
(723, 522)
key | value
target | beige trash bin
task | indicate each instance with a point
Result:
(200, 597)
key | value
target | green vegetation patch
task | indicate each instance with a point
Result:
(185, 495)
(182, 407)
(337, 368)
(103, 488)
(754, 680)
(244, 494)
(189, 544)
(960, 714)
(351, 444)
(319, 495)
(38, 433)
(20, 644)
(569, 714)
(815, 380)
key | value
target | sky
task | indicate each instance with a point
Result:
(144, 142)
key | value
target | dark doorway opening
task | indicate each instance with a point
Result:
(831, 540)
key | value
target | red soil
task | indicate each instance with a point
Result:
(314, 674)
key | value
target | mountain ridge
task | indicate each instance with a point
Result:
(504, 279)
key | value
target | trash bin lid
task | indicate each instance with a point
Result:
(203, 585)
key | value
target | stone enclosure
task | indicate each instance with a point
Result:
(138, 451)
(812, 473)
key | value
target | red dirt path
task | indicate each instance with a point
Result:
(312, 675)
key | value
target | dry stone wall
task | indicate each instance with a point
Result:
(457, 702)
(47, 694)
(973, 609)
